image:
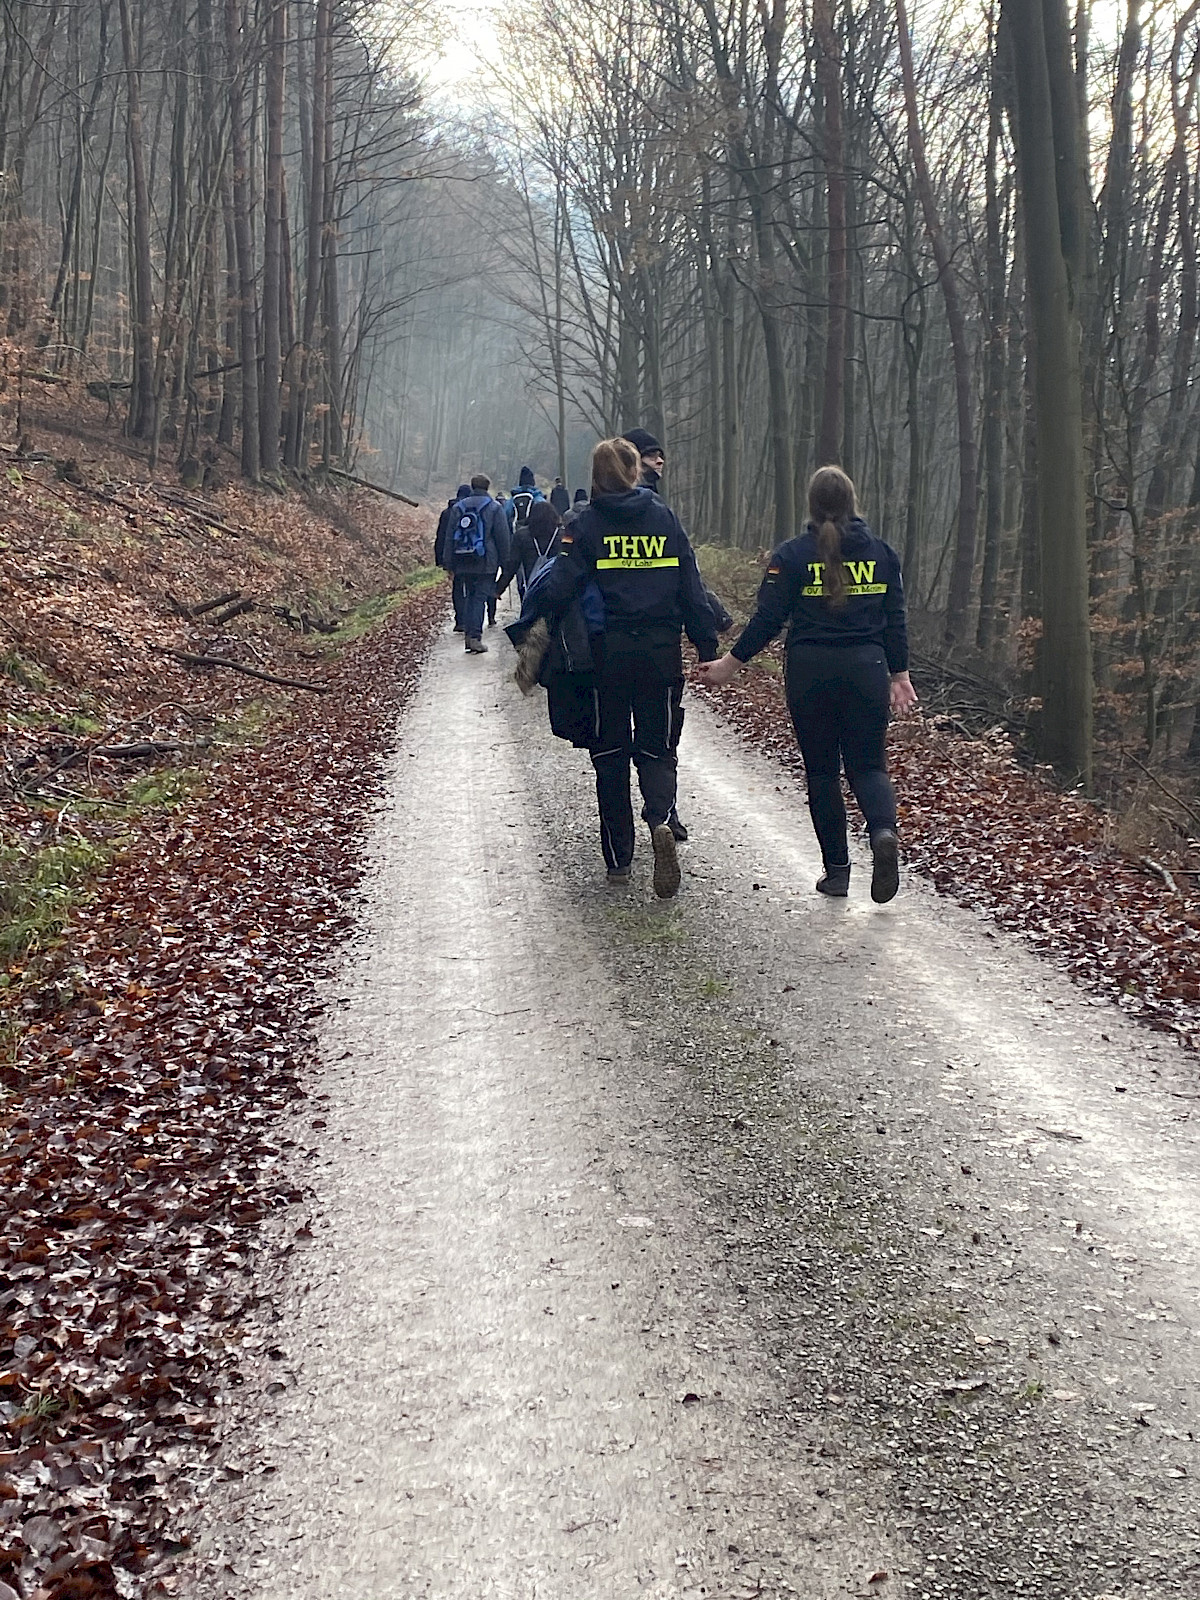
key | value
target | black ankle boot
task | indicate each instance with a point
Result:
(835, 882)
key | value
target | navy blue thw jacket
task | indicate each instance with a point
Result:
(791, 593)
(636, 550)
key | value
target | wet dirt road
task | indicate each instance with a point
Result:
(752, 1244)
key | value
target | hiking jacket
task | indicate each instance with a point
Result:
(510, 510)
(523, 553)
(439, 543)
(872, 612)
(495, 531)
(635, 550)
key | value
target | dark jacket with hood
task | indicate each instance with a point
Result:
(635, 549)
(523, 553)
(791, 594)
(495, 533)
(443, 527)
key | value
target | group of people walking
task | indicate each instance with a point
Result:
(610, 586)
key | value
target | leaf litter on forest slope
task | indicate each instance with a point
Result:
(139, 1152)
(1004, 840)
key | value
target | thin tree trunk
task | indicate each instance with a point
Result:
(833, 406)
(1066, 676)
(272, 282)
(141, 404)
(963, 567)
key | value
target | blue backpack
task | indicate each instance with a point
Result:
(469, 536)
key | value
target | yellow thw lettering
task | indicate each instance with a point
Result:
(816, 571)
(861, 571)
(612, 540)
(629, 547)
(654, 547)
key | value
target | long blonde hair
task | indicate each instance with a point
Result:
(831, 503)
(616, 467)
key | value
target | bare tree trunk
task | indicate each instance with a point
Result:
(272, 282)
(833, 402)
(141, 404)
(995, 363)
(963, 568)
(1066, 677)
(235, 21)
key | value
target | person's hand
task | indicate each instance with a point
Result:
(716, 674)
(903, 695)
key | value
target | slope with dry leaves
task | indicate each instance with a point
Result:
(148, 1052)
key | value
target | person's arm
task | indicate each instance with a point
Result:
(502, 534)
(439, 543)
(776, 599)
(699, 623)
(895, 640)
(518, 553)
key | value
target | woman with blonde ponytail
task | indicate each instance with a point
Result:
(839, 591)
(634, 549)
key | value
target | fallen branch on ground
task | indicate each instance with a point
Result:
(238, 609)
(1161, 872)
(186, 610)
(392, 494)
(190, 660)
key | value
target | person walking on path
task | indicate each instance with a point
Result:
(839, 590)
(477, 547)
(653, 461)
(441, 556)
(580, 500)
(636, 551)
(531, 547)
(560, 499)
(524, 496)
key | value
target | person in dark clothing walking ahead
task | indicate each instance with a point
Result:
(477, 546)
(635, 550)
(560, 497)
(441, 555)
(531, 545)
(839, 590)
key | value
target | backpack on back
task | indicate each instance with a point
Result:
(469, 538)
(543, 559)
(523, 503)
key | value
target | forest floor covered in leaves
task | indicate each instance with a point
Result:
(178, 845)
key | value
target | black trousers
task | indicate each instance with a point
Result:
(638, 718)
(839, 699)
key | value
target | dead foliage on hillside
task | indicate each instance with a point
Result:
(161, 1042)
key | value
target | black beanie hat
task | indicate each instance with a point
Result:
(526, 480)
(464, 490)
(644, 443)
(580, 494)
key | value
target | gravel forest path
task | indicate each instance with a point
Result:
(751, 1244)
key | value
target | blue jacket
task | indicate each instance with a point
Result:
(636, 551)
(510, 509)
(496, 537)
(791, 593)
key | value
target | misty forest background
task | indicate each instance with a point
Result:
(954, 250)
